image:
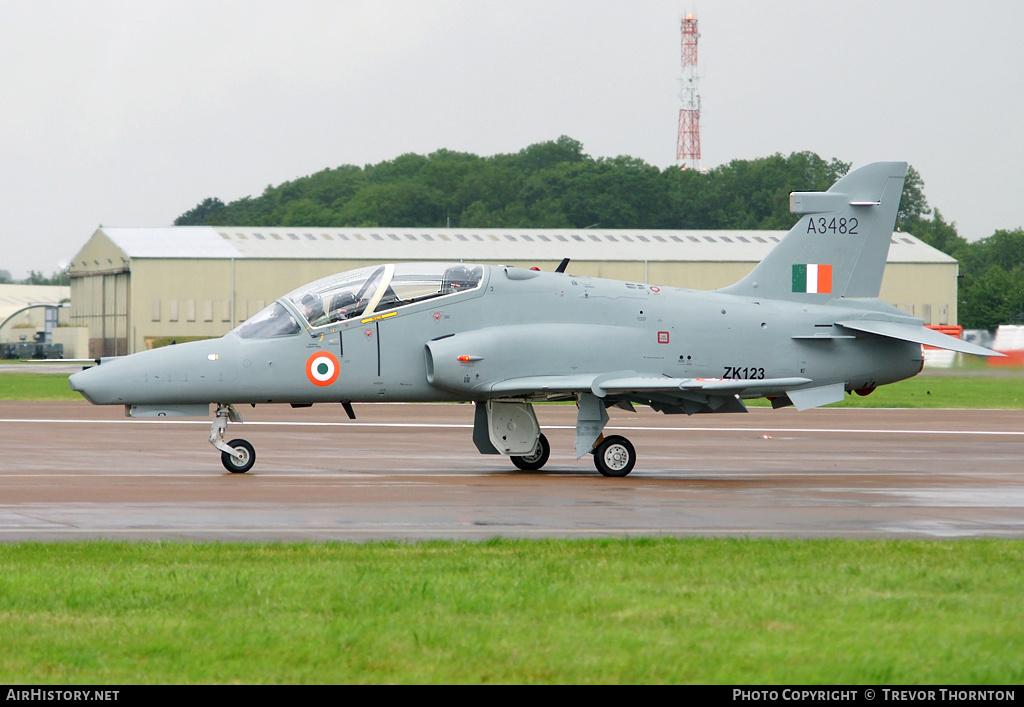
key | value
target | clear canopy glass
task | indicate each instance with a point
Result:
(362, 293)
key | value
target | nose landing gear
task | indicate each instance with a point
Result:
(241, 458)
(238, 455)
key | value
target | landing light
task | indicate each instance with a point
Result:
(213, 357)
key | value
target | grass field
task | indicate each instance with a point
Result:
(35, 386)
(502, 611)
(655, 610)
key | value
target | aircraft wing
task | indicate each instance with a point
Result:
(579, 383)
(630, 383)
(917, 335)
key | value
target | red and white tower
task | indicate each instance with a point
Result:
(688, 140)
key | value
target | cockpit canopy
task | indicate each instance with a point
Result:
(360, 293)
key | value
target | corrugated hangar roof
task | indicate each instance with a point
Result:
(484, 244)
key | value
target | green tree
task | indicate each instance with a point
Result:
(58, 277)
(913, 204)
(992, 298)
(201, 213)
(544, 155)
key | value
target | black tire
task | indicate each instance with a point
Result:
(236, 466)
(536, 459)
(615, 456)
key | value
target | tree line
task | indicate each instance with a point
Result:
(58, 277)
(555, 184)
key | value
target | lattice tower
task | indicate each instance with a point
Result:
(688, 140)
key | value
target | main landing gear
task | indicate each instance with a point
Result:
(238, 455)
(615, 456)
(535, 459)
(510, 427)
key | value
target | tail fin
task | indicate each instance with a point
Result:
(839, 246)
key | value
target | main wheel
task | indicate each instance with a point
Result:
(234, 464)
(535, 459)
(615, 456)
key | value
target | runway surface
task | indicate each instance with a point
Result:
(411, 472)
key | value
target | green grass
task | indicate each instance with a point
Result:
(1001, 392)
(503, 611)
(36, 386)
(713, 611)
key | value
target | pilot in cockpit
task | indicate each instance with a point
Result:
(344, 306)
(457, 279)
(313, 309)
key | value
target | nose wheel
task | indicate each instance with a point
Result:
(241, 459)
(238, 455)
(615, 456)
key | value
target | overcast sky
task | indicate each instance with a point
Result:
(130, 112)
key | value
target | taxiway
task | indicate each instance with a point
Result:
(411, 472)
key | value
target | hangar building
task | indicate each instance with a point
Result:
(32, 313)
(136, 287)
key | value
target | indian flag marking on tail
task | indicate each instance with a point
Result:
(812, 278)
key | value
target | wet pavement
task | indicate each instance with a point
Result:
(411, 472)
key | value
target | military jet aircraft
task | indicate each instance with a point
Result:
(803, 328)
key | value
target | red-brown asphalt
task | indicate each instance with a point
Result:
(411, 472)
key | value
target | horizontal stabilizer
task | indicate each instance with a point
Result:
(917, 335)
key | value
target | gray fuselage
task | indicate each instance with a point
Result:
(516, 324)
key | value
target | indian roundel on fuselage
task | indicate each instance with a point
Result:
(322, 368)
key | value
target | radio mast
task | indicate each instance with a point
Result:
(688, 140)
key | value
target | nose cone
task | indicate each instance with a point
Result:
(103, 384)
(186, 373)
(78, 383)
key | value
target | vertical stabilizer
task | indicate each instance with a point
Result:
(839, 246)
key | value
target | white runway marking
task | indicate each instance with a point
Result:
(626, 428)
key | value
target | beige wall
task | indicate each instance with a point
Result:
(75, 340)
(925, 290)
(100, 302)
(196, 298)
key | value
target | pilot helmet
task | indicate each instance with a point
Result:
(313, 306)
